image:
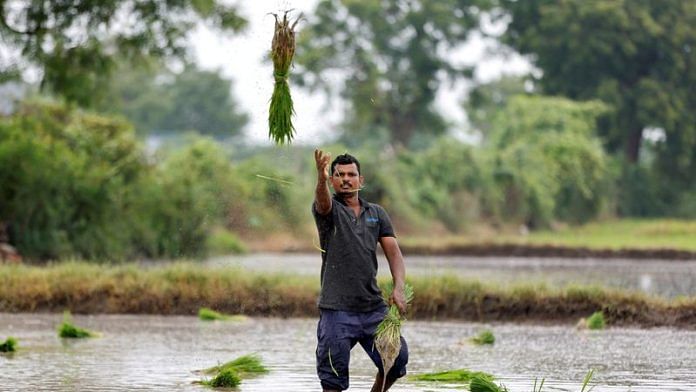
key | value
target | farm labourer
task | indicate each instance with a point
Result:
(350, 303)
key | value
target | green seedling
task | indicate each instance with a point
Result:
(458, 375)
(484, 337)
(388, 333)
(482, 384)
(227, 378)
(280, 127)
(9, 346)
(207, 314)
(68, 330)
(244, 365)
(596, 321)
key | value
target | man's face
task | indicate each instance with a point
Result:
(346, 179)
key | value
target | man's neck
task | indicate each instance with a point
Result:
(351, 199)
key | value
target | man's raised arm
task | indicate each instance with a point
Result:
(322, 195)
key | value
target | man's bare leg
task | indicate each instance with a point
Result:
(377, 386)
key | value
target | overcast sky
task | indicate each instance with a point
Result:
(241, 59)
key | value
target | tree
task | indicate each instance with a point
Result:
(638, 56)
(393, 57)
(485, 100)
(75, 43)
(156, 99)
(547, 161)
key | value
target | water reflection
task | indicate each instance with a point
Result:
(161, 354)
(659, 277)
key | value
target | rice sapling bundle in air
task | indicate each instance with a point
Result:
(280, 127)
(388, 334)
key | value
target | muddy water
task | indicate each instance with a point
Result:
(159, 353)
(658, 277)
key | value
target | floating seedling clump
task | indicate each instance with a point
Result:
(280, 128)
(388, 334)
(244, 365)
(483, 384)
(484, 337)
(68, 330)
(458, 375)
(207, 314)
(9, 345)
(227, 378)
(596, 321)
(230, 374)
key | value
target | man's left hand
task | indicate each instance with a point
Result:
(398, 298)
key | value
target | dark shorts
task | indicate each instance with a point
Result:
(337, 334)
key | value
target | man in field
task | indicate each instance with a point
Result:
(350, 303)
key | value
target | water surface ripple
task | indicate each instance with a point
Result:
(161, 353)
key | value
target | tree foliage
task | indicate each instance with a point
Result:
(485, 100)
(156, 99)
(391, 56)
(76, 43)
(637, 56)
(547, 162)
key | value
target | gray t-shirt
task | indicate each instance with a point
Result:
(349, 260)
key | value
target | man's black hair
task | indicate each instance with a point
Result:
(344, 159)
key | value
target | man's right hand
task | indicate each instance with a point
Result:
(322, 160)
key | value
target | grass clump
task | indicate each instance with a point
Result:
(458, 375)
(484, 337)
(68, 330)
(596, 321)
(9, 345)
(280, 128)
(244, 365)
(388, 333)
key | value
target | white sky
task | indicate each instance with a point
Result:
(242, 59)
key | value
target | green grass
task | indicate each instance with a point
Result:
(596, 321)
(484, 337)
(610, 234)
(9, 345)
(244, 365)
(458, 375)
(68, 330)
(181, 288)
(626, 233)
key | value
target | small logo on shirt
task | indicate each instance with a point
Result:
(372, 220)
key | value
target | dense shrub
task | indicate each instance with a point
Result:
(547, 162)
(67, 178)
(76, 184)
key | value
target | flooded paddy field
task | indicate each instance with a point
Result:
(666, 278)
(161, 353)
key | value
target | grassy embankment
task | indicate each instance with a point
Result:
(626, 237)
(183, 288)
